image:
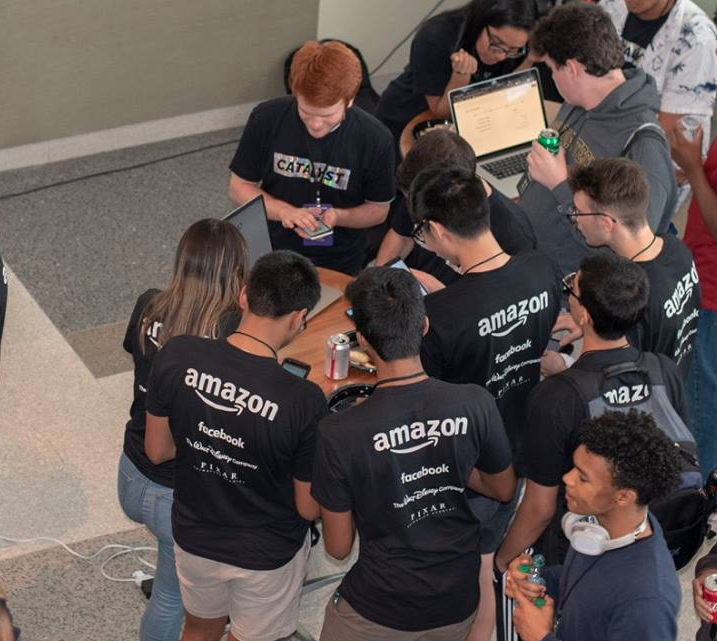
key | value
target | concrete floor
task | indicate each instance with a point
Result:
(79, 255)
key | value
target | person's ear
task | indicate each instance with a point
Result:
(574, 67)
(350, 104)
(426, 325)
(625, 497)
(243, 304)
(361, 340)
(436, 229)
(297, 320)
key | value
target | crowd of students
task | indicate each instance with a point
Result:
(478, 441)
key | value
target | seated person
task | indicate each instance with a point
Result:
(481, 40)
(315, 155)
(673, 41)
(610, 201)
(607, 112)
(701, 238)
(492, 325)
(404, 488)
(242, 430)
(607, 298)
(437, 147)
(624, 588)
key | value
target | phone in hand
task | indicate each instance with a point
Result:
(399, 264)
(296, 367)
(322, 230)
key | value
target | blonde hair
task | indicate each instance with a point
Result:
(210, 268)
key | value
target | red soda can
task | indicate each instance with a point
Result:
(709, 594)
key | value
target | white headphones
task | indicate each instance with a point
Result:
(587, 536)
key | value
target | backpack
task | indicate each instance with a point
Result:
(640, 385)
(366, 98)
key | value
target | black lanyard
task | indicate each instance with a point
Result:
(569, 591)
(315, 181)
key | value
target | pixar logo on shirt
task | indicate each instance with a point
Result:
(411, 438)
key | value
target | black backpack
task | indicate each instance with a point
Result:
(640, 385)
(367, 98)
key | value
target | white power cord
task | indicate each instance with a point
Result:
(137, 576)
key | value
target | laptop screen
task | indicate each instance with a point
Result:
(498, 114)
(250, 220)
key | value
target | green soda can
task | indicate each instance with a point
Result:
(550, 139)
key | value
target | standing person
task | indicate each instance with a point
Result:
(701, 238)
(490, 327)
(618, 581)
(396, 467)
(483, 39)
(705, 566)
(674, 41)
(607, 113)
(202, 299)
(607, 296)
(242, 430)
(609, 208)
(315, 155)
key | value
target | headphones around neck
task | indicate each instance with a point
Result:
(588, 537)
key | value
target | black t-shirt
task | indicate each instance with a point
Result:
(669, 324)
(352, 165)
(556, 413)
(491, 328)
(400, 462)
(428, 72)
(637, 34)
(244, 429)
(134, 430)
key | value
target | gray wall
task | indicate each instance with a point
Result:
(75, 66)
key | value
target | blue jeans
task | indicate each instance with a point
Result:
(149, 503)
(701, 389)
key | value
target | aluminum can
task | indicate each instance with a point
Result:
(550, 139)
(337, 357)
(689, 126)
(709, 594)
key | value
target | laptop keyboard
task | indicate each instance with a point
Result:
(508, 166)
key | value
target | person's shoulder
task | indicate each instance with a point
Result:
(371, 128)
(296, 389)
(272, 108)
(616, 9)
(146, 296)
(439, 30)
(535, 260)
(179, 345)
(698, 23)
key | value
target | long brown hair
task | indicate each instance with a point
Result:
(210, 268)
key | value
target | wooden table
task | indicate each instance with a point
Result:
(406, 141)
(310, 346)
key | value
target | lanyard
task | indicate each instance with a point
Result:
(316, 182)
(569, 591)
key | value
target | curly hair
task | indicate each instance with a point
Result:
(641, 457)
(579, 31)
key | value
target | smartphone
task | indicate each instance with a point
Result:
(322, 230)
(399, 264)
(297, 368)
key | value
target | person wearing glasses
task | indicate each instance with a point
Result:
(610, 210)
(606, 297)
(481, 40)
(608, 112)
(241, 430)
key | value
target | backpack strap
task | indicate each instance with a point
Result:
(647, 129)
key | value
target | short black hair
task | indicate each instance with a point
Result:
(452, 196)
(388, 310)
(579, 31)
(640, 455)
(437, 147)
(282, 282)
(614, 290)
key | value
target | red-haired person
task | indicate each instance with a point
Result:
(315, 156)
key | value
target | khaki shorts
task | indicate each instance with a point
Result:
(262, 605)
(343, 623)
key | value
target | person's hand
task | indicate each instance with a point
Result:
(545, 168)
(566, 323)
(330, 217)
(297, 217)
(430, 283)
(463, 63)
(686, 153)
(517, 581)
(702, 608)
(551, 363)
(531, 622)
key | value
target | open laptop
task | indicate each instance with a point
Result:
(250, 220)
(500, 118)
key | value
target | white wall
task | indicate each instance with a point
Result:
(376, 26)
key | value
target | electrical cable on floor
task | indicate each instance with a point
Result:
(400, 44)
(123, 549)
(108, 172)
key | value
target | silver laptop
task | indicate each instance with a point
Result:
(500, 118)
(250, 220)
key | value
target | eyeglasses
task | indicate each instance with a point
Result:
(568, 285)
(417, 233)
(574, 212)
(498, 47)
